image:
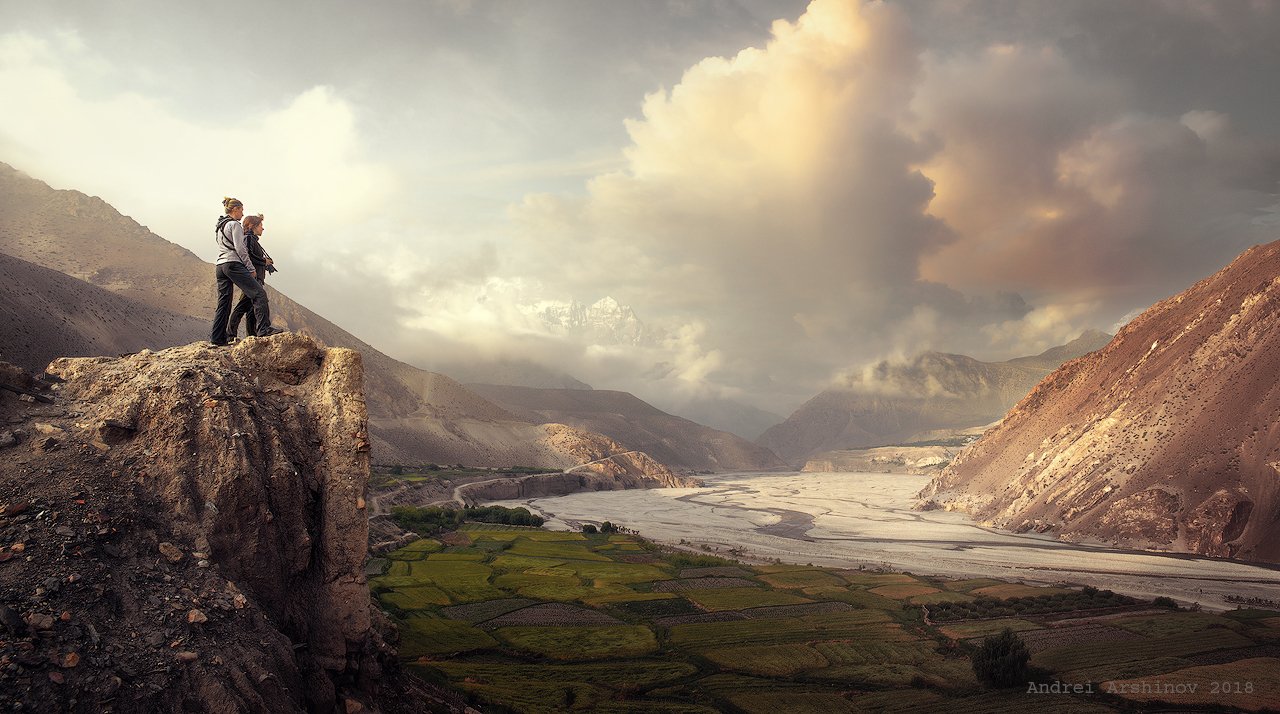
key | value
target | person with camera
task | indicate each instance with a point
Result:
(262, 266)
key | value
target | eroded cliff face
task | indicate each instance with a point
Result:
(190, 525)
(1168, 438)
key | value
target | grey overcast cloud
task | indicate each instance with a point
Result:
(781, 191)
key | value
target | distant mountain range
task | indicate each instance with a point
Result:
(1168, 438)
(894, 403)
(604, 322)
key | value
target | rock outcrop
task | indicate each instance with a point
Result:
(892, 403)
(1167, 438)
(187, 528)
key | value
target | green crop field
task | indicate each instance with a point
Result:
(801, 639)
(768, 660)
(939, 596)
(801, 579)
(1124, 670)
(1008, 590)
(982, 628)
(1089, 654)
(615, 572)
(1175, 623)
(581, 643)
(872, 580)
(415, 597)
(556, 549)
(857, 598)
(1249, 685)
(904, 590)
(506, 561)
(970, 584)
(422, 545)
(739, 598)
(856, 624)
(426, 636)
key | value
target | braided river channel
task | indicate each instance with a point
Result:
(852, 520)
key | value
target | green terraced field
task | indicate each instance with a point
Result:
(1175, 623)
(768, 660)
(415, 597)
(862, 645)
(739, 598)
(872, 580)
(856, 624)
(423, 636)
(581, 643)
(616, 572)
(982, 628)
(1061, 659)
(940, 596)
(556, 549)
(506, 561)
(423, 545)
(801, 579)
(857, 598)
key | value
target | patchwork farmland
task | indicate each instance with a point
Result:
(527, 620)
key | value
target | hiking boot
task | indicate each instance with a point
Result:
(272, 331)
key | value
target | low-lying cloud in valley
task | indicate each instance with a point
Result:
(867, 182)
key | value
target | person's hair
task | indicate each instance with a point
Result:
(229, 203)
(251, 222)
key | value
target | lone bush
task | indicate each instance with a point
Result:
(1002, 660)
(589, 529)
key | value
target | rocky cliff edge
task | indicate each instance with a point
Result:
(184, 530)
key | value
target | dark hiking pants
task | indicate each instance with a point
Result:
(231, 276)
(244, 309)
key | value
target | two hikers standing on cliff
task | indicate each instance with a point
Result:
(241, 264)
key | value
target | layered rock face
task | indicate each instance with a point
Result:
(202, 515)
(1168, 438)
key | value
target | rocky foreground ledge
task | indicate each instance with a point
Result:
(185, 531)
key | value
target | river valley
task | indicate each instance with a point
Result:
(853, 520)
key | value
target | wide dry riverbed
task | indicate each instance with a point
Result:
(848, 520)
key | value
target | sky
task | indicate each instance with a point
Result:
(781, 191)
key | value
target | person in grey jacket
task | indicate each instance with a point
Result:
(235, 270)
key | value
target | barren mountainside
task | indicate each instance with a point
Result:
(1168, 438)
(893, 403)
(45, 314)
(635, 424)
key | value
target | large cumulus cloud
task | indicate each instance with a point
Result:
(860, 187)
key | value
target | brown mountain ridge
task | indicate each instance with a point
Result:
(894, 403)
(1168, 438)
